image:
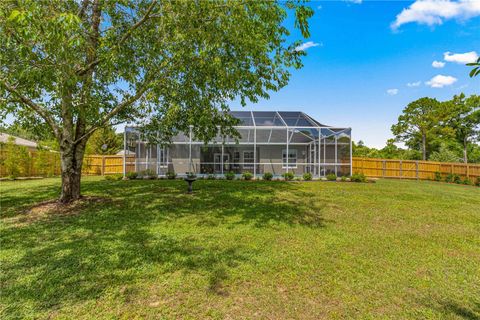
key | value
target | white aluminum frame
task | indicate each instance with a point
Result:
(316, 144)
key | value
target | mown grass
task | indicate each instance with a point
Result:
(235, 249)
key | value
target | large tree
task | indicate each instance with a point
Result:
(464, 120)
(79, 65)
(420, 121)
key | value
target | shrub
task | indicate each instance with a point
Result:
(449, 178)
(17, 161)
(307, 176)
(171, 175)
(230, 175)
(267, 176)
(132, 175)
(478, 182)
(211, 177)
(467, 182)
(247, 176)
(43, 163)
(437, 176)
(343, 178)
(288, 176)
(457, 179)
(358, 177)
(331, 177)
(114, 177)
(148, 174)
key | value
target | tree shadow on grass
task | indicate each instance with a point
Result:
(461, 311)
(66, 260)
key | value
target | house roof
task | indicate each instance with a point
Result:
(4, 137)
(276, 119)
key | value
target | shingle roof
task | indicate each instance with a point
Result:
(4, 137)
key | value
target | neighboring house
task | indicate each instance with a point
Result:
(275, 142)
(31, 145)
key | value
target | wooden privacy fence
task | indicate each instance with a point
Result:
(412, 169)
(48, 164)
(102, 165)
(45, 163)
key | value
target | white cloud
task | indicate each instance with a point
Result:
(319, 7)
(435, 12)
(414, 84)
(440, 81)
(392, 92)
(306, 45)
(354, 1)
(462, 58)
(438, 64)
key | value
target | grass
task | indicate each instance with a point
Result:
(236, 249)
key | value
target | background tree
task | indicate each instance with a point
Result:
(464, 120)
(444, 154)
(420, 120)
(104, 141)
(76, 66)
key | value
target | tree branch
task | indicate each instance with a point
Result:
(35, 107)
(125, 37)
(126, 103)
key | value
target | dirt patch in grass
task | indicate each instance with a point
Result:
(47, 209)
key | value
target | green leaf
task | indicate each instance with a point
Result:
(474, 72)
(13, 16)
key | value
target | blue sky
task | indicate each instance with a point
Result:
(358, 74)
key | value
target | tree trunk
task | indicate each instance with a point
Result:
(465, 157)
(71, 160)
(424, 147)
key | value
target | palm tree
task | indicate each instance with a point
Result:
(475, 71)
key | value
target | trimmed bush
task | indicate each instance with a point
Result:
(437, 176)
(114, 177)
(467, 182)
(288, 176)
(331, 177)
(267, 176)
(211, 177)
(148, 174)
(449, 178)
(343, 178)
(132, 175)
(171, 175)
(457, 179)
(307, 176)
(230, 175)
(358, 177)
(247, 176)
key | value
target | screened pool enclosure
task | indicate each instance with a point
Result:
(276, 142)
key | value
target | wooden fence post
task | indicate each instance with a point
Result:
(416, 169)
(103, 166)
(384, 168)
(400, 169)
(468, 171)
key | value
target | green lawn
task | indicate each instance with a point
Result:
(235, 249)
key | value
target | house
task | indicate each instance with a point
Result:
(270, 141)
(31, 145)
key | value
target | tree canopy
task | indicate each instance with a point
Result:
(76, 66)
(418, 122)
